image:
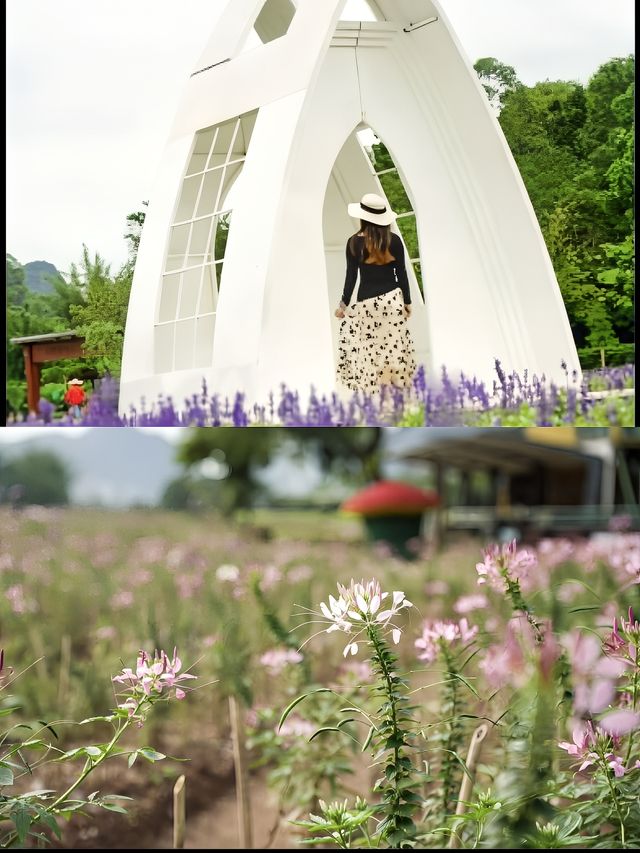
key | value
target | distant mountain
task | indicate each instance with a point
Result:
(38, 275)
(109, 467)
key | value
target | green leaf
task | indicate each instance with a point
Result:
(132, 759)
(107, 719)
(22, 821)
(325, 729)
(368, 740)
(297, 701)
(93, 751)
(6, 775)
(151, 754)
(49, 728)
(50, 821)
(112, 807)
(466, 683)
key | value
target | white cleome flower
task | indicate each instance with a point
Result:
(358, 605)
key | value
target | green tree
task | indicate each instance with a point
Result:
(574, 148)
(497, 79)
(610, 80)
(133, 235)
(101, 320)
(350, 452)
(245, 452)
(198, 494)
(36, 477)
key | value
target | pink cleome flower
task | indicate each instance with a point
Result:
(502, 563)
(469, 603)
(437, 634)
(152, 678)
(276, 660)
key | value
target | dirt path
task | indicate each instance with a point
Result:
(217, 827)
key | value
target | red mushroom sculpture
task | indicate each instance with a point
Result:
(392, 512)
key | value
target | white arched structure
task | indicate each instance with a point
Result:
(284, 118)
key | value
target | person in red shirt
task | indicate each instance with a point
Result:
(75, 397)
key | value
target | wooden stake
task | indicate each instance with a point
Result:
(473, 756)
(242, 781)
(179, 813)
(65, 671)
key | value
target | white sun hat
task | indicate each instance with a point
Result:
(373, 208)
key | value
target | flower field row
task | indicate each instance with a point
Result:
(390, 679)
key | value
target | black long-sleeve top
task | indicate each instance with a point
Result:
(375, 279)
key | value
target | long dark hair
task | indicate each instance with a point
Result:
(377, 242)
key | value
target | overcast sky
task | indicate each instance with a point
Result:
(93, 86)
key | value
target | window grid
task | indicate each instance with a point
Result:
(415, 262)
(188, 303)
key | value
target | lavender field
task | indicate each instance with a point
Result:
(480, 696)
(603, 398)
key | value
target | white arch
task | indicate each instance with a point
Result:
(489, 284)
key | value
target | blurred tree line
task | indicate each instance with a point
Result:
(239, 458)
(36, 477)
(93, 302)
(351, 453)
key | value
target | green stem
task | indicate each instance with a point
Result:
(518, 603)
(379, 650)
(616, 803)
(635, 699)
(91, 765)
(451, 745)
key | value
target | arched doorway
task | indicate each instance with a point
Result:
(366, 165)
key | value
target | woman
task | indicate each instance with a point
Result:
(375, 343)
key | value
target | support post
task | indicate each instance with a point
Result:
(242, 780)
(32, 370)
(179, 813)
(468, 780)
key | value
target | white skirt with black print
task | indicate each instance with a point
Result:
(375, 346)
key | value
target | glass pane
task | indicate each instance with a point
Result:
(198, 163)
(219, 274)
(409, 230)
(217, 160)
(274, 20)
(204, 141)
(169, 298)
(247, 123)
(231, 174)
(200, 231)
(188, 198)
(382, 158)
(185, 343)
(418, 271)
(164, 336)
(204, 340)
(177, 247)
(395, 192)
(190, 293)
(209, 294)
(222, 235)
(225, 137)
(210, 189)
